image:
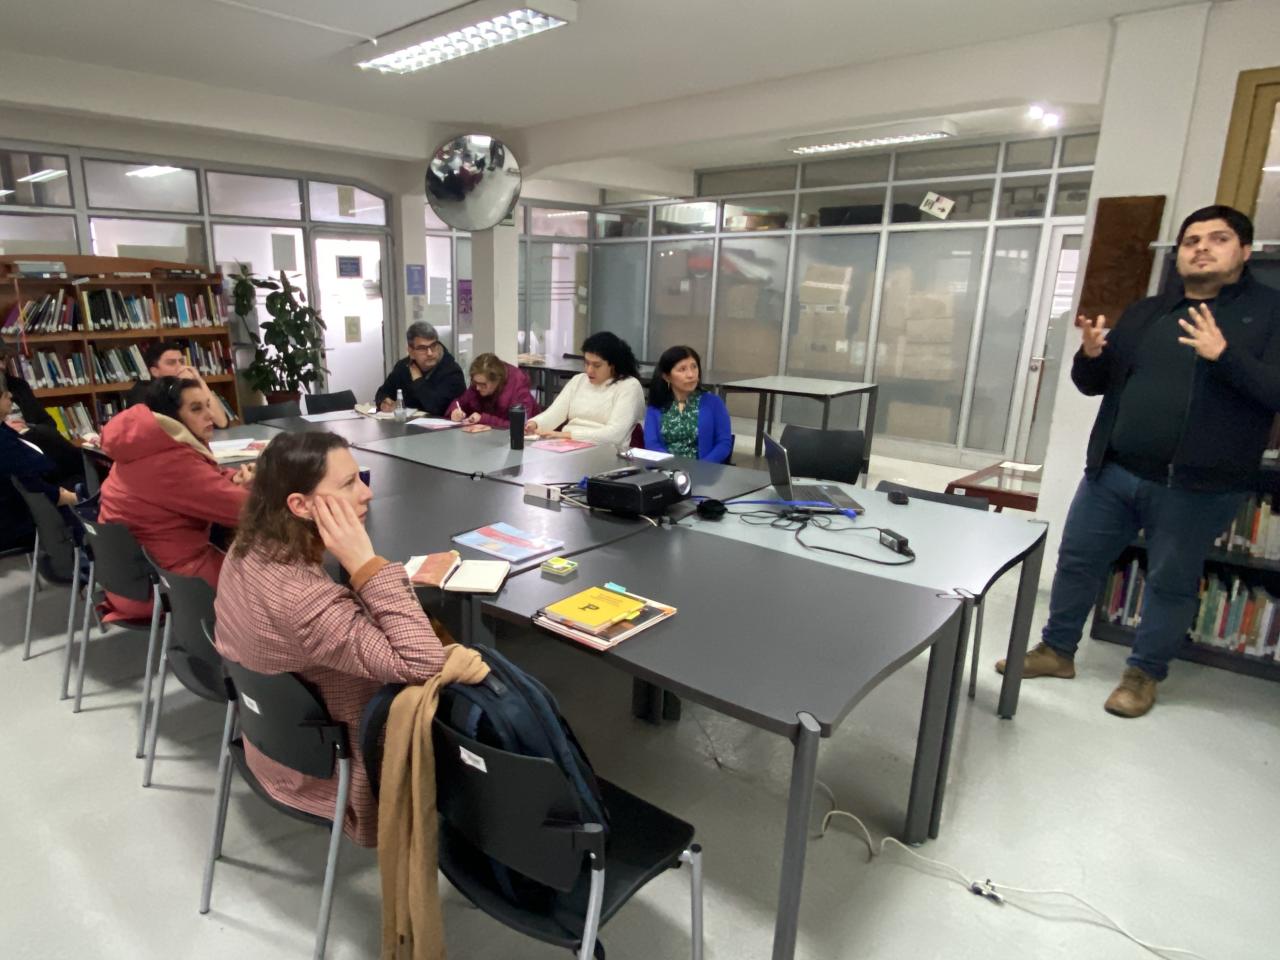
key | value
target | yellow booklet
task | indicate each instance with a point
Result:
(595, 609)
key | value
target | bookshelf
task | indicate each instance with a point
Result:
(1214, 638)
(76, 327)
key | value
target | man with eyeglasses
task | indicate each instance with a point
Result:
(429, 376)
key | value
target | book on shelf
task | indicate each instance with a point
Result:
(1255, 529)
(1232, 614)
(73, 421)
(51, 314)
(122, 364)
(602, 617)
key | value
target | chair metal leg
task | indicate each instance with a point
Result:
(331, 865)
(220, 801)
(591, 928)
(977, 647)
(31, 596)
(693, 857)
(147, 670)
(162, 669)
(71, 612)
(84, 637)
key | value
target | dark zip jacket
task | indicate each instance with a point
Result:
(1233, 399)
(432, 392)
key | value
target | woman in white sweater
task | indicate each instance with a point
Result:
(602, 405)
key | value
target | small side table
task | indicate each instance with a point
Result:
(1004, 484)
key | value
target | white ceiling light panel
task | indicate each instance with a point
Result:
(462, 31)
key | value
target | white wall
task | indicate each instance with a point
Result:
(1147, 112)
(1242, 35)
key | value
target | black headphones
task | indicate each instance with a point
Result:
(711, 509)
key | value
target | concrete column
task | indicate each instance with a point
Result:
(411, 251)
(1146, 114)
(495, 265)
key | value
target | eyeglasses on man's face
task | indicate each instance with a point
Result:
(425, 346)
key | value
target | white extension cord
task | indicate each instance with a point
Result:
(988, 889)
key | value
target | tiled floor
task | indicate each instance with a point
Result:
(1167, 822)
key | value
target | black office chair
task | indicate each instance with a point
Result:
(56, 540)
(512, 808)
(272, 411)
(117, 564)
(330, 402)
(96, 467)
(954, 500)
(838, 455)
(188, 605)
(287, 722)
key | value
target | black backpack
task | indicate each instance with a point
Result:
(510, 711)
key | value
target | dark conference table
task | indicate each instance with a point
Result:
(794, 659)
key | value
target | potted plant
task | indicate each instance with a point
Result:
(288, 348)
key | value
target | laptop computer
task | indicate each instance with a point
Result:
(775, 455)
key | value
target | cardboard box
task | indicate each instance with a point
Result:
(825, 284)
(740, 301)
(930, 329)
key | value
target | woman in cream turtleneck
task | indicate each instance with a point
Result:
(601, 405)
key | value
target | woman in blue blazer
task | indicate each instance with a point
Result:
(683, 419)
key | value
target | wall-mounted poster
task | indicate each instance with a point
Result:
(349, 267)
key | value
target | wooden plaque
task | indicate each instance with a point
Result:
(1120, 255)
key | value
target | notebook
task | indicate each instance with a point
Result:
(562, 445)
(508, 542)
(433, 423)
(448, 571)
(594, 609)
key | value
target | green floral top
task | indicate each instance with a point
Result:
(680, 430)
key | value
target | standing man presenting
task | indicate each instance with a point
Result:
(429, 376)
(165, 358)
(1190, 384)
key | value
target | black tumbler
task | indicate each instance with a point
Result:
(518, 418)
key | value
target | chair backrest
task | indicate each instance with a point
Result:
(330, 402)
(56, 539)
(954, 499)
(272, 411)
(825, 454)
(515, 809)
(96, 468)
(284, 719)
(188, 603)
(119, 563)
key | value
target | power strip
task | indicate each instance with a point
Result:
(542, 491)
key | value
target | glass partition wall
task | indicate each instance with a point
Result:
(919, 269)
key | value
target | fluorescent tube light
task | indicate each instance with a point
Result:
(470, 28)
(42, 176)
(5, 193)
(1275, 169)
(152, 171)
(880, 135)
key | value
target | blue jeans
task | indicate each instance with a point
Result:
(1106, 514)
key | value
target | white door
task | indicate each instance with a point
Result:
(348, 271)
(1057, 296)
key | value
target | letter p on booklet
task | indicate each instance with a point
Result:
(450, 572)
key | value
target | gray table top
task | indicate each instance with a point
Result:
(356, 429)
(468, 453)
(799, 386)
(717, 480)
(425, 519)
(817, 640)
(956, 548)
(246, 431)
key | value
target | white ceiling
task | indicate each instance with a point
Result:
(620, 53)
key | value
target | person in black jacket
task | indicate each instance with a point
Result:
(1190, 384)
(22, 460)
(429, 376)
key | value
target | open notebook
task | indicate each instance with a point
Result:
(448, 571)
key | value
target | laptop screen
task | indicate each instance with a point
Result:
(779, 471)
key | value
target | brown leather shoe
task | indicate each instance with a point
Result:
(1044, 661)
(1135, 695)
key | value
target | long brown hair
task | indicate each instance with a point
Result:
(491, 365)
(291, 463)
